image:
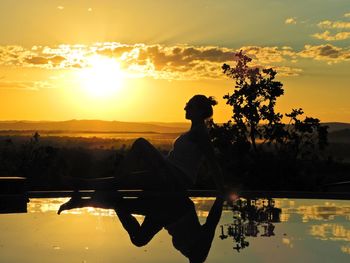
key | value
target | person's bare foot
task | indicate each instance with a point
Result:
(74, 202)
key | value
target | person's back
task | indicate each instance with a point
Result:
(187, 156)
(186, 153)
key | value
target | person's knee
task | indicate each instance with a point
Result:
(139, 242)
(140, 142)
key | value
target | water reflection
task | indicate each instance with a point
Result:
(334, 232)
(53, 204)
(346, 249)
(316, 230)
(176, 214)
(251, 218)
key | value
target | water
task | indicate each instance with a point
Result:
(302, 231)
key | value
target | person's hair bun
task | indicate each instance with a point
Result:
(212, 101)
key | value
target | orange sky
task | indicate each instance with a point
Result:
(114, 60)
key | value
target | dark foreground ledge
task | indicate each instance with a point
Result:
(16, 186)
(202, 193)
(17, 202)
(14, 195)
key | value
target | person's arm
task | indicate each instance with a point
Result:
(214, 214)
(204, 143)
(206, 235)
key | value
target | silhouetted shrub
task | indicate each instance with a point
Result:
(256, 147)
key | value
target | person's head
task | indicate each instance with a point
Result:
(200, 107)
(191, 238)
(196, 248)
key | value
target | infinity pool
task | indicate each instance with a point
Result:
(279, 230)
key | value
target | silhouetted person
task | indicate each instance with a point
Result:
(144, 167)
(175, 214)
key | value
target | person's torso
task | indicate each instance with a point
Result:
(187, 156)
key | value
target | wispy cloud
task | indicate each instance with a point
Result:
(268, 55)
(48, 61)
(25, 85)
(326, 35)
(60, 7)
(336, 30)
(169, 62)
(327, 24)
(328, 53)
(290, 21)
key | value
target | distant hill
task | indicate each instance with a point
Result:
(336, 126)
(339, 132)
(92, 126)
(340, 136)
(118, 126)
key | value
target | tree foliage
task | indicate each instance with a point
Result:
(257, 135)
(253, 99)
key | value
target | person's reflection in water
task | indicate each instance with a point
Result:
(176, 214)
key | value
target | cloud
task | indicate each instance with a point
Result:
(329, 53)
(326, 35)
(333, 34)
(206, 62)
(288, 71)
(50, 61)
(13, 55)
(268, 55)
(114, 50)
(179, 55)
(290, 21)
(14, 85)
(152, 60)
(37, 60)
(25, 85)
(60, 7)
(168, 62)
(327, 24)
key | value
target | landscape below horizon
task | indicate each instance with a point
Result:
(118, 134)
(338, 131)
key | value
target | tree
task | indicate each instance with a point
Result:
(303, 139)
(257, 141)
(253, 99)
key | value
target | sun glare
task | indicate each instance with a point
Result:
(102, 77)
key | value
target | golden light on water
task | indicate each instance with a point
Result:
(102, 77)
(87, 233)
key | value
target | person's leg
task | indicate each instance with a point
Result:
(100, 199)
(113, 200)
(144, 166)
(140, 235)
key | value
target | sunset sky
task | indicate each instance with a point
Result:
(141, 60)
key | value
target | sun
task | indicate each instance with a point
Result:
(102, 77)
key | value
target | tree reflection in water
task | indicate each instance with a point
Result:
(251, 218)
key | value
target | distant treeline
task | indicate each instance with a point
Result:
(48, 161)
